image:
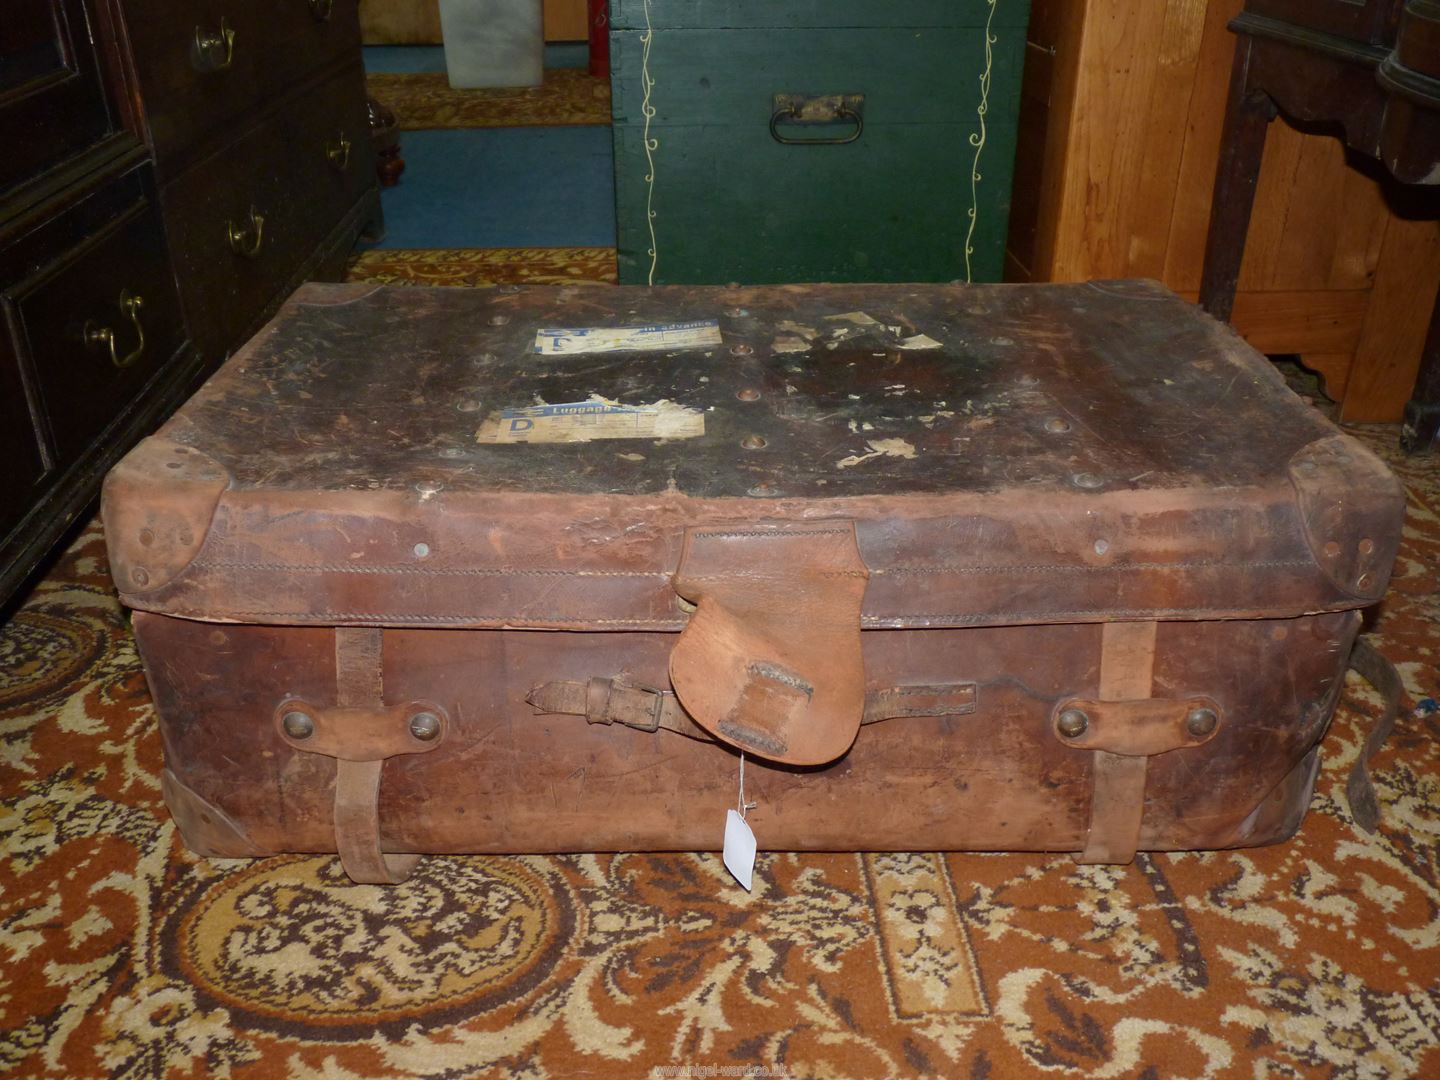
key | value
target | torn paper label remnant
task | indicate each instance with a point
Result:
(601, 339)
(588, 421)
(919, 341)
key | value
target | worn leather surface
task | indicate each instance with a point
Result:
(352, 490)
(770, 661)
(616, 701)
(1025, 470)
(509, 779)
(1139, 728)
(1119, 782)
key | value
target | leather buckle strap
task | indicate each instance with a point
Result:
(645, 708)
(770, 661)
(1124, 727)
(610, 700)
(361, 733)
(1368, 662)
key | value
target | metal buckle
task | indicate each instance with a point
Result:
(656, 709)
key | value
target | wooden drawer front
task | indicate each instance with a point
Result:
(90, 351)
(196, 99)
(19, 444)
(281, 170)
(720, 198)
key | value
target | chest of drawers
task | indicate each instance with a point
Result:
(172, 171)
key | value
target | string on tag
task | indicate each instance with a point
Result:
(741, 804)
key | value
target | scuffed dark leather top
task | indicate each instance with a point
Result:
(1121, 384)
(1006, 454)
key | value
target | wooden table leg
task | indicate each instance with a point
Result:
(1422, 411)
(1248, 113)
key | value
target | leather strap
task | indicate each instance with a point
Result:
(357, 826)
(1368, 662)
(645, 708)
(770, 660)
(359, 685)
(1117, 799)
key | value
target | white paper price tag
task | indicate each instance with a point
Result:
(739, 850)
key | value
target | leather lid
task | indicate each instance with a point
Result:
(1007, 454)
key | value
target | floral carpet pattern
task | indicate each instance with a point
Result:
(124, 955)
(486, 266)
(427, 100)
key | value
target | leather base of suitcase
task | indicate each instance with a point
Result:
(997, 774)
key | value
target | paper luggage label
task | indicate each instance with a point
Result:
(601, 339)
(591, 420)
(738, 851)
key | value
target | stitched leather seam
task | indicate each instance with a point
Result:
(331, 618)
(1067, 568)
(762, 534)
(780, 574)
(1025, 568)
(424, 571)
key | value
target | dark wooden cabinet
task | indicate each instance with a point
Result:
(172, 170)
(1370, 68)
(1369, 21)
(53, 102)
(93, 350)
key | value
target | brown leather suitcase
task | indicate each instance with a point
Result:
(1056, 567)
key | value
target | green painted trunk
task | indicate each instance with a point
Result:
(705, 192)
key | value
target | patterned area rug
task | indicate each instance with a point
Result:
(126, 956)
(486, 266)
(426, 100)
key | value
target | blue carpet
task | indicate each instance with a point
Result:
(503, 187)
(403, 59)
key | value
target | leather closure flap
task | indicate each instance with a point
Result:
(770, 661)
(362, 734)
(1142, 727)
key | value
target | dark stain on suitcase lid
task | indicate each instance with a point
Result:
(1110, 408)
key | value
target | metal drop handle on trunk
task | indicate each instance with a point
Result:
(800, 109)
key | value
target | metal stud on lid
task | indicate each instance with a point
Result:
(298, 725)
(1072, 723)
(425, 726)
(1201, 722)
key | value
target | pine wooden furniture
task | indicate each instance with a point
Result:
(1373, 68)
(171, 172)
(1123, 105)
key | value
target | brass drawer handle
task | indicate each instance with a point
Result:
(246, 241)
(214, 52)
(320, 9)
(338, 153)
(102, 337)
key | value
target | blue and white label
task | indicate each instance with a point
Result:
(602, 339)
(587, 421)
